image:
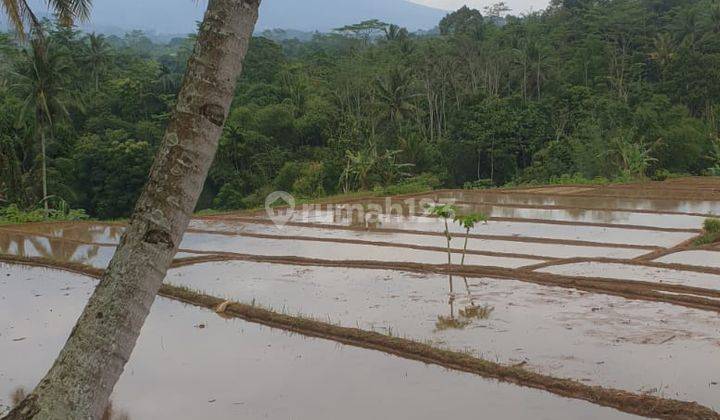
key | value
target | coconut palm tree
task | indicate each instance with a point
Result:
(394, 95)
(19, 14)
(40, 78)
(96, 56)
(664, 52)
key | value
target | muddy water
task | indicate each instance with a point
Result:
(83, 232)
(496, 228)
(640, 273)
(592, 216)
(97, 256)
(335, 251)
(598, 339)
(233, 369)
(56, 249)
(567, 215)
(510, 247)
(663, 205)
(698, 257)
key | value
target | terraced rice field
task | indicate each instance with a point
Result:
(573, 301)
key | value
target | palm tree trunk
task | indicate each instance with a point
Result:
(82, 378)
(44, 169)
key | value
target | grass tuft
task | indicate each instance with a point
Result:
(451, 323)
(477, 312)
(711, 232)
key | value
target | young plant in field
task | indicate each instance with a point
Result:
(469, 221)
(446, 212)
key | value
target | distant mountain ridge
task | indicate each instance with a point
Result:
(180, 16)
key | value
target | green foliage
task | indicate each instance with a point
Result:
(12, 214)
(469, 221)
(418, 184)
(712, 226)
(711, 232)
(464, 21)
(444, 211)
(480, 184)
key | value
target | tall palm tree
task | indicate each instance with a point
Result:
(664, 52)
(395, 95)
(41, 78)
(96, 55)
(19, 13)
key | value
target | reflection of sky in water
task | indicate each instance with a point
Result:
(684, 206)
(357, 215)
(597, 234)
(542, 250)
(233, 369)
(639, 273)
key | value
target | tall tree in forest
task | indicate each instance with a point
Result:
(82, 378)
(40, 80)
(96, 56)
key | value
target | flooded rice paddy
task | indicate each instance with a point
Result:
(528, 302)
(600, 339)
(189, 363)
(639, 273)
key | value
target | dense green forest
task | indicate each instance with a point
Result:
(585, 90)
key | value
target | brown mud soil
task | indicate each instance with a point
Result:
(644, 405)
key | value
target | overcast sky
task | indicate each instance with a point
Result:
(517, 6)
(179, 16)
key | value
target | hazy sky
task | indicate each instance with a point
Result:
(518, 6)
(179, 16)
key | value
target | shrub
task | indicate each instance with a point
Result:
(711, 232)
(12, 214)
(309, 183)
(661, 175)
(712, 226)
(418, 184)
(481, 184)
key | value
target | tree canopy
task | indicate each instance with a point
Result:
(584, 90)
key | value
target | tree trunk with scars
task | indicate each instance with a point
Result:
(82, 378)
